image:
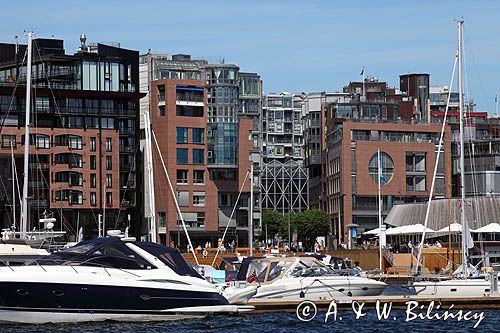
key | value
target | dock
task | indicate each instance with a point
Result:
(398, 302)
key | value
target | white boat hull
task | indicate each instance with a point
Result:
(453, 288)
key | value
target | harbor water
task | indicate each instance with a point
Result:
(276, 322)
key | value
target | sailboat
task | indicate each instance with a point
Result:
(465, 281)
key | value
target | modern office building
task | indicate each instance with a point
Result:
(416, 87)
(83, 137)
(227, 104)
(284, 177)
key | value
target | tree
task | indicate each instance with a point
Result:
(273, 221)
(311, 224)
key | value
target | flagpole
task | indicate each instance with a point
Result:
(379, 167)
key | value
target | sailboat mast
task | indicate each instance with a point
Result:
(462, 151)
(149, 168)
(13, 167)
(379, 199)
(24, 224)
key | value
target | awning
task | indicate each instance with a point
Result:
(489, 228)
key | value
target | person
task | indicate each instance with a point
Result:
(206, 245)
(410, 245)
(232, 246)
(438, 244)
(317, 247)
(205, 253)
(356, 271)
(172, 245)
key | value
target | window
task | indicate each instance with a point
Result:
(42, 141)
(415, 183)
(109, 144)
(198, 176)
(415, 162)
(161, 109)
(199, 199)
(386, 168)
(109, 181)
(162, 219)
(198, 156)
(93, 180)
(93, 162)
(183, 198)
(74, 142)
(93, 198)
(198, 135)
(92, 144)
(8, 140)
(73, 160)
(189, 111)
(109, 198)
(182, 135)
(182, 156)
(109, 162)
(182, 176)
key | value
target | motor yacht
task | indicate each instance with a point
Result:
(299, 278)
(108, 278)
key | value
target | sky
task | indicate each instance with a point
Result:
(296, 46)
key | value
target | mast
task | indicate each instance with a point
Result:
(462, 153)
(250, 223)
(379, 197)
(149, 168)
(24, 224)
(13, 168)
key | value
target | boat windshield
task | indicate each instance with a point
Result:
(311, 269)
(170, 257)
(104, 252)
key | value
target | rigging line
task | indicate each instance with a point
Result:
(174, 197)
(472, 161)
(2, 122)
(477, 72)
(436, 163)
(231, 216)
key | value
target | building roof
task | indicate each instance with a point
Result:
(485, 210)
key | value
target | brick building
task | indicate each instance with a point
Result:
(83, 135)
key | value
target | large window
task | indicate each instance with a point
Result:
(198, 156)
(109, 162)
(182, 135)
(415, 162)
(199, 199)
(93, 162)
(386, 166)
(42, 141)
(8, 141)
(182, 176)
(198, 135)
(109, 180)
(183, 198)
(198, 177)
(182, 156)
(189, 111)
(92, 144)
(109, 144)
(415, 183)
(93, 180)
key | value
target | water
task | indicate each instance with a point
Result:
(276, 322)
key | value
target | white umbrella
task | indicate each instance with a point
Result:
(454, 227)
(413, 229)
(372, 232)
(489, 228)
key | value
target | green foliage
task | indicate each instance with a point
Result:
(274, 222)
